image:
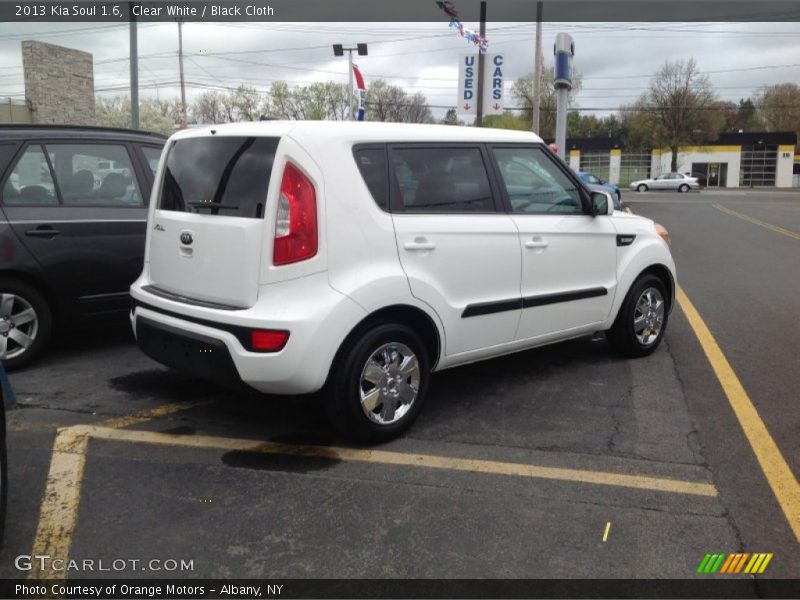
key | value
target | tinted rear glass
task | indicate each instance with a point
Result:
(372, 164)
(218, 176)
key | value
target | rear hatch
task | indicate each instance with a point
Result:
(207, 232)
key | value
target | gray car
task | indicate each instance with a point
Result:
(676, 182)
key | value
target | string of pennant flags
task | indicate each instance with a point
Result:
(449, 9)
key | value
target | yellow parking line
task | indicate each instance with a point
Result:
(769, 226)
(408, 459)
(777, 471)
(143, 416)
(59, 511)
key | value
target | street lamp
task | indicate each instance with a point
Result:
(339, 50)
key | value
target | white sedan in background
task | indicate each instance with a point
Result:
(668, 181)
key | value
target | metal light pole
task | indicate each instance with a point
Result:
(564, 51)
(134, 58)
(182, 123)
(339, 50)
(537, 71)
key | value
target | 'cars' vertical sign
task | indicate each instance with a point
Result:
(492, 84)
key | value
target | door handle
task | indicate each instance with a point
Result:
(43, 231)
(536, 243)
(419, 244)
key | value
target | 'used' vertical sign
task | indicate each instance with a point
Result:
(492, 84)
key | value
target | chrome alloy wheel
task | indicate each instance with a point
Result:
(389, 383)
(19, 325)
(648, 318)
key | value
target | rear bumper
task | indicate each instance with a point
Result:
(210, 343)
(202, 356)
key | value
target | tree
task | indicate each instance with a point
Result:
(208, 108)
(638, 126)
(741, 116)
(506, 121)
(522, 92)
(778, 107)
(391, 103)
(116, 112)
(683, 106)
(247, 102)
(451, 118)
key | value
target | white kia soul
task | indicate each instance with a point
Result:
(360, 257)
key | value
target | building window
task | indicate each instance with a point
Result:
(634, 167)
(596, 163)
(759, 164)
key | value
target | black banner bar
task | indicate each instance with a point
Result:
(179, 589)
(648, 11)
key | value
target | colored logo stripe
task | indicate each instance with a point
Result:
(734, 563)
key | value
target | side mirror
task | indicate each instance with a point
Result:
(602, 203)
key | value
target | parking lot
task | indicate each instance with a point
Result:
(565, 461)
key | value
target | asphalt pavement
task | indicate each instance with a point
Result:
(560, 462)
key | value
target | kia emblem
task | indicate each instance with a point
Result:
(186, 238)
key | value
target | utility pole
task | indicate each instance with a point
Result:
(339, 50)
(134, 58)
(537, 71)
(481, 61)
(182, 119)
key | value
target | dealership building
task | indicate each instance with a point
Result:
(759, 159)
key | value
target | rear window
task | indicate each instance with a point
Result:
(372, 164)
(218, 175)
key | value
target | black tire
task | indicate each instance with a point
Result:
(641, 188)
(343, 391)
(619, 196)
(622, 336)
(44, 319)
(683, 188)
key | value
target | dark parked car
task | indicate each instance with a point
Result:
(3, 470)
(73, 214)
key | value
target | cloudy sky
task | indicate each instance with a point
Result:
(616, 60)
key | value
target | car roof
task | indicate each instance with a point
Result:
(363, 132)
(9, 132)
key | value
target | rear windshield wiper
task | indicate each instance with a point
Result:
(199, 205)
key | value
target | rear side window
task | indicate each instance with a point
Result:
(218, 175)
(95, 174)
(372, 164)
(30, 182)
(442, 180)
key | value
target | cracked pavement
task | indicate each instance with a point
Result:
(574, 405)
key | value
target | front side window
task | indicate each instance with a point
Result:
(591, 179)
(95, 174)
(535, 184)
(30, 182)
(442, 180)
(218, 175)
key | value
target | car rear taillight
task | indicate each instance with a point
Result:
(268, 340)
(296, 222)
